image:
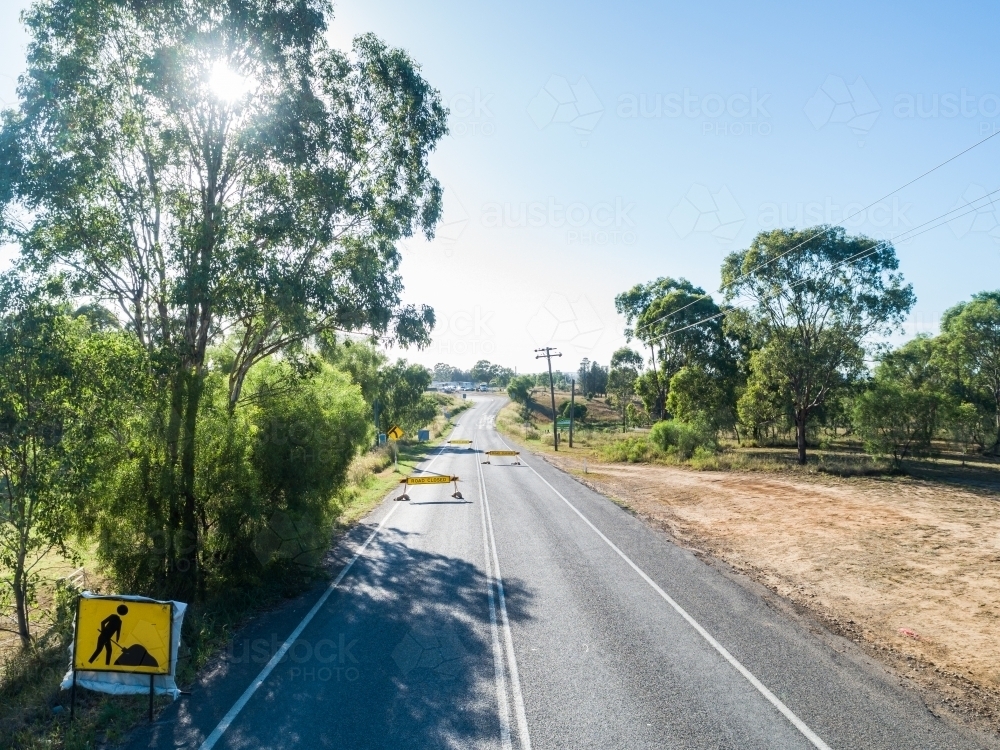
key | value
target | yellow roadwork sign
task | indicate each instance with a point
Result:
(460, 442)
(122, 635)
(395, 433)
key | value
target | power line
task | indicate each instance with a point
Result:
(843, 221)
(857, 256)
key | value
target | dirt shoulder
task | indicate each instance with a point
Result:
(909, 569)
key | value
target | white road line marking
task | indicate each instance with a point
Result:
(498, 669)
(233, 712)
(522, 718)
(761, 688)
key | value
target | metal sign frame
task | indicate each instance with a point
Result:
(515, 454)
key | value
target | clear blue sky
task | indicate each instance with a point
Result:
(595, 146)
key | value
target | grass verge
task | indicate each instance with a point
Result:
(845, 461)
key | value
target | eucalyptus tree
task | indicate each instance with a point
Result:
(61, 383)
(815, 298)
(681, 325)
(622, 376)
(216, 170)
(971, 353)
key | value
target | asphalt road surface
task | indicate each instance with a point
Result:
(534, 612)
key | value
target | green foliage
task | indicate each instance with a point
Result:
(625, 366)
(592, 378)
(696, 395)
(682, 439)
(273, 213)
(268, 477)
(970, 334)
(579, 411)
(519, 390)
(485, 372)
(816, 296)
(682, 327)
(396, 392)
(64, 389)
(765, 401)
(632, 449)
(893, 418)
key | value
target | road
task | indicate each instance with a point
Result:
(534, 612)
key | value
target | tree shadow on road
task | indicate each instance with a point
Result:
(400, 656)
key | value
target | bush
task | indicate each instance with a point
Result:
(628, 450)
(579, 411)
(268, 473)
(682, 439)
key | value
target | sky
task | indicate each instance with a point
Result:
(596, 146)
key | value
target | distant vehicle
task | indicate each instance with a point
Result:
(483, 388)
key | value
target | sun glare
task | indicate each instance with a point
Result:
(226, 84)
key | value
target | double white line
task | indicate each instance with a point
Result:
(233, 712)
(495, 579)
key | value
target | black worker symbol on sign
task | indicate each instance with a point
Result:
(135, 655)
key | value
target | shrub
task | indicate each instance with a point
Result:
(579, 411)
(682, 439)
(632, 450)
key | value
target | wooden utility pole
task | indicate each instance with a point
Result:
(549, 352)
(572, 409)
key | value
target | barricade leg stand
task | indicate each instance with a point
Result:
(72, 697)
(513, 454)
(151, 694)
(457, 495)
(404, 497)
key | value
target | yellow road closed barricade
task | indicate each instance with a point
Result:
(433, 479)
(459, 442)
(515, 454)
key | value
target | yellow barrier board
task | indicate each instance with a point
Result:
(120, 635)
(502, 453)
(460, 442)
(428, 480)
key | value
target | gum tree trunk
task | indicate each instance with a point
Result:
(800, 435)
